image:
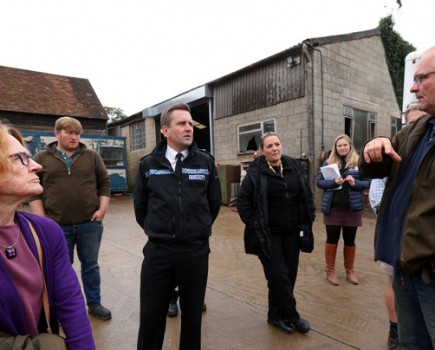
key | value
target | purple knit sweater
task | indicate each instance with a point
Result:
(66, 299)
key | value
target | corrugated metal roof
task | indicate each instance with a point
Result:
(312, 42)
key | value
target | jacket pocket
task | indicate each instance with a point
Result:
(254, 241)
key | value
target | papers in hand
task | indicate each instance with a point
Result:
(331, 172)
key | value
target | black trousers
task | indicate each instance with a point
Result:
(162, 271)
(174, 297)
(281, 272)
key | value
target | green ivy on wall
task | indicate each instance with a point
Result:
(396, 50)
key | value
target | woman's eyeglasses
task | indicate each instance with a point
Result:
(24, 157)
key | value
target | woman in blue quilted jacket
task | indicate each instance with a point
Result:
(342, 206)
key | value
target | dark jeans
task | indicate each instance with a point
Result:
(87, 237)
(162, 271)
(281, 272)
(415, 307)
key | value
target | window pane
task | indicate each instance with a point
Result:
(372, 130)
(112, 156)
(250, 135)
(348, 127)
(249, 141)
(360, 135)
(396, 125)
(269, 126)
(359, 125)
(251, 127)
(137, 136)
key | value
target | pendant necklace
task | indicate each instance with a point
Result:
(11, 251)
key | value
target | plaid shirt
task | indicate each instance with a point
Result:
(377, 187)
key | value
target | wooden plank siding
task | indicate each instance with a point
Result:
(264, 86)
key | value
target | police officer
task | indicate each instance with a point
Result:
(177, 197)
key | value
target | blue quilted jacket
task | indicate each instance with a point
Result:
(355, 193)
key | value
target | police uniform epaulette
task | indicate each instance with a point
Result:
(203, 150)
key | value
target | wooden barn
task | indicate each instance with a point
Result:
(32, 101)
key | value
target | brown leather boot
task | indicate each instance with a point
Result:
(330, 253)
(349, 259)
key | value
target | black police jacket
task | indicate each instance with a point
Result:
(177, 213)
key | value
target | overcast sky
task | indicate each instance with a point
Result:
(137, 53)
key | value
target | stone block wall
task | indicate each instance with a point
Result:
(346, 73)
(133, 157)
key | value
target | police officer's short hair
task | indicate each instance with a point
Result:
(166, 116)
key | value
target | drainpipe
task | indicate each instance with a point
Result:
(322, 139)
(210, 122)
(310, 113)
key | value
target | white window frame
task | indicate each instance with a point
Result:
(252, 129)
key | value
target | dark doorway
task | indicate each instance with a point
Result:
(201, 120)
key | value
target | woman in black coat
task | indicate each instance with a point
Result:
(275, 202)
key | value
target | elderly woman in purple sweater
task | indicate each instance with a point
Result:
(21, 282)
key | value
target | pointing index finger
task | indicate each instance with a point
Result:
(389, 151)
(376, 149)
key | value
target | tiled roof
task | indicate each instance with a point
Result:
(41, 93)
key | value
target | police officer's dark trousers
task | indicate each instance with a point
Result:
(162, 271)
